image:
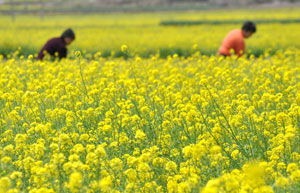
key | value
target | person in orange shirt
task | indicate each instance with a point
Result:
(235, 40)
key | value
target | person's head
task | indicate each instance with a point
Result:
(249, 28)
(68, 36)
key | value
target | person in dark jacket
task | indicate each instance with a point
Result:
(58, 45)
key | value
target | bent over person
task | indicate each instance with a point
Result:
(58, 45)
(235, 40)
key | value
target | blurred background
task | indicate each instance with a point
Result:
(148, 27)
(66, 6)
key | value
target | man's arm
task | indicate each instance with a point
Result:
(41, 54)
(43, 50)
(240, 48)
(63, 53)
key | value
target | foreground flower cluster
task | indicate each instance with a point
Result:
(201, 124)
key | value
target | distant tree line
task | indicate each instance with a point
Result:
(74, 2)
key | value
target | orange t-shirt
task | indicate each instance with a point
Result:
(234, 40)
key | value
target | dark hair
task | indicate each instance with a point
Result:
(69, 33)
(249, 26)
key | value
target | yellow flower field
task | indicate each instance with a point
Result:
(200, 124)
(125, 112)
